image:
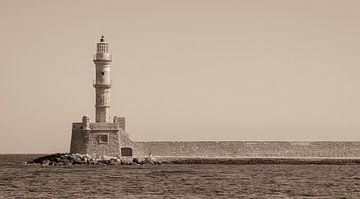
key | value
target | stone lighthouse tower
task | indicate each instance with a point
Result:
(102, 137)
(102, 60)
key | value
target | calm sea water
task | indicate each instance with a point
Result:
(176, 181)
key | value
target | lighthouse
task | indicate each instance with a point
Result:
(104, 136)
(102, 84)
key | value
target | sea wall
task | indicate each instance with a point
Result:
(248, 149)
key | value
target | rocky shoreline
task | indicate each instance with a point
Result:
(85, 159)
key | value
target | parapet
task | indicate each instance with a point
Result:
(95, 126)
(86, 122)
(120, 121)
(104, 126)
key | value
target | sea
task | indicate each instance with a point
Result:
(19, 180)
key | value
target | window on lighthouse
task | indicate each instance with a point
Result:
(104, 138)
(103, 73)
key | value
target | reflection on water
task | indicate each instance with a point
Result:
(177, 181)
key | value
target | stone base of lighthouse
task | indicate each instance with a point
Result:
(101, 138)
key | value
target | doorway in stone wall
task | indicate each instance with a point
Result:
(126, 151)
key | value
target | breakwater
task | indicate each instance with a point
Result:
(233, 149)
(258, 160)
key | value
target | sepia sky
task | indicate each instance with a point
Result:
(182, 70)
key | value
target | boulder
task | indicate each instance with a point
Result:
(148, 161)
(78, 160)
(105, 157)
(45, 162)
(64, 160)
(138, 161)
(87, 156)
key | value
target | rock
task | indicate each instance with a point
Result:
(45, 162)
(105, 157)
(87, 156)
(138, 161)
(148, 161)
(64, 161)
(77, 160)
(151, 161)
(112, 162)
(107, 162)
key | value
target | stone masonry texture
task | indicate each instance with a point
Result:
(248, 149)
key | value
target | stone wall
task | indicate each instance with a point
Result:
(87, 142)
(248, 149)
(78, 141)
(125, 140)
(96, 149)
(85, 139)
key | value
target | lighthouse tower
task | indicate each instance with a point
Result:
(102, 137)
(102, 60)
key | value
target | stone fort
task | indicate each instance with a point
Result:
(108, 136)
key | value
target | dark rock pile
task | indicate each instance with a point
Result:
(85, 159)
(145, 161)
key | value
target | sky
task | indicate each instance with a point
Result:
(182, 70)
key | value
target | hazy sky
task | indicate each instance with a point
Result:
(182, 70)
